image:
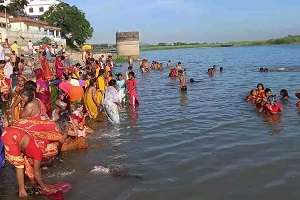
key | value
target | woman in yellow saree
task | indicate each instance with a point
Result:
(101, 87)
(16, 100)
(90, 100)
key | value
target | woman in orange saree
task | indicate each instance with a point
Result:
(45, 67)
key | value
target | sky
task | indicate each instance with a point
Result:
(191, 20)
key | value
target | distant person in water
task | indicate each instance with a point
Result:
(260, 89)
(169, 64)
(210, 72)
(252, 97)
(297, 94)
(284, 94)
(132, 90)
(130, 69)
(194, 81)
(221, 69)
(179, 66)
(182, 80)
(263, 69)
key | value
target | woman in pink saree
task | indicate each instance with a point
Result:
(43, 91)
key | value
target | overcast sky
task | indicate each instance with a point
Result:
(192, 20)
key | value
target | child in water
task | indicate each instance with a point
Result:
(182, 80)
(252, 97)
(131, 89)
(121, 87)
(260, 92)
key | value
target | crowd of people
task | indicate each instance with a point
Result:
(45, 102)
(268, 103)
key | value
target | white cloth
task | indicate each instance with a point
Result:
(111, 96)
(111, 109)
(74, 82)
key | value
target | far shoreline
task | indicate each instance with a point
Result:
(289, 40)
(161, 48)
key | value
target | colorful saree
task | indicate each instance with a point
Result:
(90, 104)
(46, 68)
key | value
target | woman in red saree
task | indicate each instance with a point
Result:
(131, 89)
(59, 66)
(22, 151)
(35, 123)
(43, 91)
(45, 67)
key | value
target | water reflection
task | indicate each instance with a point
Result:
(183, 99)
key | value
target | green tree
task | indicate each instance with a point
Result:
(72, 21)
(15, 7)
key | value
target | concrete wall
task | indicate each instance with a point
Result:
(128, 43)
(24, 37)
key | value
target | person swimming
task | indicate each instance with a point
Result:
(194, 81)
(262, 69)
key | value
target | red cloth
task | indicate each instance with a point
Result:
(273, 108)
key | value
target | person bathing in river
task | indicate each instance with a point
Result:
(252, 97)
(260, 92)
(121, 88)
(132, 90)
(182, 80)
(18, 146)
(179, 66)
(130, 69)
(269, 103)
(112, 102)
(284, 95)
(24, 147)
(297, 94)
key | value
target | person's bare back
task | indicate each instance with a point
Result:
(31, 109)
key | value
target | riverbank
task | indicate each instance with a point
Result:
(278, 41)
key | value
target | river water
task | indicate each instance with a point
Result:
(205, 144)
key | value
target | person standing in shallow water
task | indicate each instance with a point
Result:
(182, 80)
(131, 90)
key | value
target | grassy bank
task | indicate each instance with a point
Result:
(120, 59)
(279, 41)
